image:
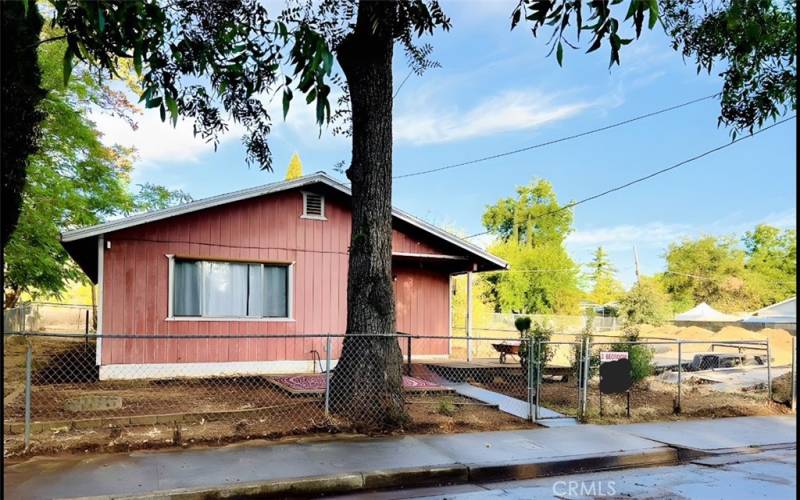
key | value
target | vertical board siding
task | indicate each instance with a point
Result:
(265, 229)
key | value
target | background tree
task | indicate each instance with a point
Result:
(295, 168)
(645, 304)
(771, 263)
(20, 94)
(531, 230)
(707, 269)
(605, 287)
(73, 180)
(154, 197)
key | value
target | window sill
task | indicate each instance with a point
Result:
(314, 217)
(225, 320)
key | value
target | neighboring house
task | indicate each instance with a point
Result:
(780, 315)
(270, 260)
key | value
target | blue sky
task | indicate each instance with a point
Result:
(497, 91)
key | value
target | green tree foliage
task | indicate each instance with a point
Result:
(20, 94)
(531, 229)
(771, 263)
(645, 303)
(531, 349)
(708, 269)
(154, 197)
(639, 355)
(73, 180)
(295, 168)
(729, 276)
(605, 287)
(532, 217)
(754, 44)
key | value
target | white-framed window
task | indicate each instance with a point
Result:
(313, 206)
(237, 290)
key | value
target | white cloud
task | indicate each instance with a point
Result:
(158, 142)
(625, 235)
(509, 111)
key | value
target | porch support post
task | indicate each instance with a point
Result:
(469, 316)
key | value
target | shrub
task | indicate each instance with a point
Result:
(640, 356)
(523, 324)
(539, 333)
(446, 407)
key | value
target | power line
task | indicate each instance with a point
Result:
(402, 83)
(650, 176)
(554, 141)
(718, 280)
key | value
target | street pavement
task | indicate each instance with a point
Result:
(361, 464)
(768, 474)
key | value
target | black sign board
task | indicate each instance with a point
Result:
(615, 376)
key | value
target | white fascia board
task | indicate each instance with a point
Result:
(244, 194)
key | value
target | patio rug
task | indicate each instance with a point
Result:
(315, 384)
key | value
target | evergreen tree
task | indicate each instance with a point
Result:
(605, 287)
(295, 169)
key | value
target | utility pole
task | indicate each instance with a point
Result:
(636, 260)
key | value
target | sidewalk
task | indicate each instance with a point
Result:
(345, 466)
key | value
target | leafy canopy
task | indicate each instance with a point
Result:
(73, 180)
(645, 303)
(729, 276)
(531, 229)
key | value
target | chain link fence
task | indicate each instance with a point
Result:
(692, 379)
(47, 317)
(225, 388)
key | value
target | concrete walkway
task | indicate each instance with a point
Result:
(513, 406)
(262, 468)
(718, 435)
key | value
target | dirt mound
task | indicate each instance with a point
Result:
(782, 388)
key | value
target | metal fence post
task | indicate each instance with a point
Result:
(327, 374)
(28, 363)
(579, 365)
(537, 346)
(680, 374)
(794, 373)
(586, 357)
(769, 372)
(529, 381)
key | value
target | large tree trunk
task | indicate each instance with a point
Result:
(367, 383)
(21, 94)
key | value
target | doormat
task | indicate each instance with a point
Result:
(315, 384)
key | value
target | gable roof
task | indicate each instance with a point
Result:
(76, 235)
(784, 311)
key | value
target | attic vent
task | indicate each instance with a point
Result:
(313, 206)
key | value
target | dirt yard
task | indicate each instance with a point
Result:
(428, 414)
(653, 400)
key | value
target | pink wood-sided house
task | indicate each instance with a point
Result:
(270, 260)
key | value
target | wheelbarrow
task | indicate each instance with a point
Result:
(507, 348)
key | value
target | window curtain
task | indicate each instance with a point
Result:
(224, 289)
(227, 289)
(255, 300)
(186, 301)
(276, 291)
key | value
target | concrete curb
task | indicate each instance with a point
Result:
(411, 477)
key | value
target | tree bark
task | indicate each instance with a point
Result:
(21, 94)
(367, 383)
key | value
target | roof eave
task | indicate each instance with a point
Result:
(320, 177)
